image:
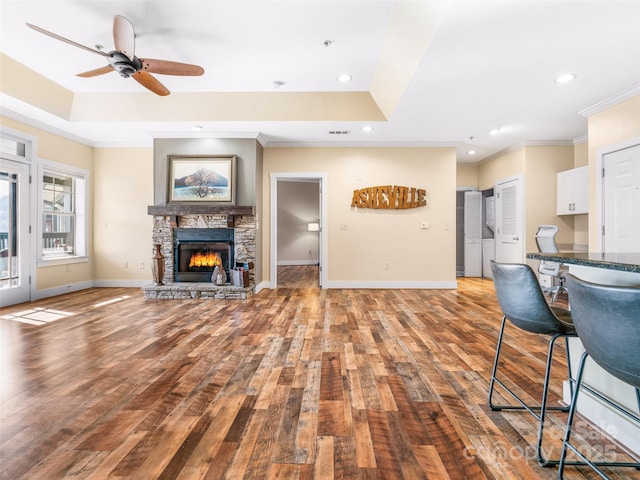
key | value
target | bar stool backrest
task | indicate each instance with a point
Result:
(522, 300)
(607, 319)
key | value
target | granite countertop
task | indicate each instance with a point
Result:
(626, 262)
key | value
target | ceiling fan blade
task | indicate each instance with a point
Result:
(96, 72)
(65, 40)
(124, 38)
(166, 67)
(150, 82)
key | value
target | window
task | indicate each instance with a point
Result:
(63, 206)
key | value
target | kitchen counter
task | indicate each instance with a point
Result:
(624, 262)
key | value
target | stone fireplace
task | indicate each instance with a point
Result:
(184, 230)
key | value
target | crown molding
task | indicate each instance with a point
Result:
(611, 101)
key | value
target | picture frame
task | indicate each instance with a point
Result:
(202, 179)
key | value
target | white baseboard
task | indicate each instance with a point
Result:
(447, 285)
(61, 290)
(262, 286)
(121, 283)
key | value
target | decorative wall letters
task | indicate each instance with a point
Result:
(389, 196)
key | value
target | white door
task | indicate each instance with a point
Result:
(621, 200)
(14, 233)
(472, 234)
(509, 211)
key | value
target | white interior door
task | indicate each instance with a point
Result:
(14, 233)
(509, 211)
(621, 200)
(472, 234)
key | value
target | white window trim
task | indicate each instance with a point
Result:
(50, 166)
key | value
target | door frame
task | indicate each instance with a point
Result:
(28, 225)
(600, 193)
(273, 227)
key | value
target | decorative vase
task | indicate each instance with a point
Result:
(157, 265)
(219, 276)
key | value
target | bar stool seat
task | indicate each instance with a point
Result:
(606, 318)
(523, 303)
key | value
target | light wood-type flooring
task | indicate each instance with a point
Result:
(294, 383)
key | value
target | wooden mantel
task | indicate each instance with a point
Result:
(189, 209)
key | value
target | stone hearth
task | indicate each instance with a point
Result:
(187, 290)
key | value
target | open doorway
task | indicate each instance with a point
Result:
(297, 233)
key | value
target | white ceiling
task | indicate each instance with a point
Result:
(490, 64)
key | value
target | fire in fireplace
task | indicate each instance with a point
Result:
(198, 250)
(204, 259)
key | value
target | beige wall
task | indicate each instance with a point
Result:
(467, 176)
(542, 164)
(59, 149)
(373, 238)
(502, 165)
(122, 229)
(608, 127)
(581, 154)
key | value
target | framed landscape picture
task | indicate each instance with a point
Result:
(202, 178)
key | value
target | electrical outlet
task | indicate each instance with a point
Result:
(141, 265)
(387, 266)
(125, 265)
(343, 226)
(309, 251)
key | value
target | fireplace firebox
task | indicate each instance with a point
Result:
(198, 250)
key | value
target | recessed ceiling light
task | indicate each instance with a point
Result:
(566, 78)
(344, 78)
(367, 128)
(471, 152)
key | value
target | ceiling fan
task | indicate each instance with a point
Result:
(124, 61)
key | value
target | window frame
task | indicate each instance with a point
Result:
(80, 208)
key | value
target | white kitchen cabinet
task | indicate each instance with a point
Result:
(573, 191)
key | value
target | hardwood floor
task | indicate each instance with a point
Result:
(294, 383)
(298, 276)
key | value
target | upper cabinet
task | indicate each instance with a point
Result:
(573, 191)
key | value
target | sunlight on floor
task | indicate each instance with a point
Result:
(113, 300)
(37, 316)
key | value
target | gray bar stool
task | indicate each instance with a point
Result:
(607, 321)
(522, 302)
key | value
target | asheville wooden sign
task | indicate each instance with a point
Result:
(389, 196)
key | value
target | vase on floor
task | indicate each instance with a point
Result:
(219, 276)
(157, 265)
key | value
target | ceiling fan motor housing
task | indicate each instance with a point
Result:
(123, 65)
